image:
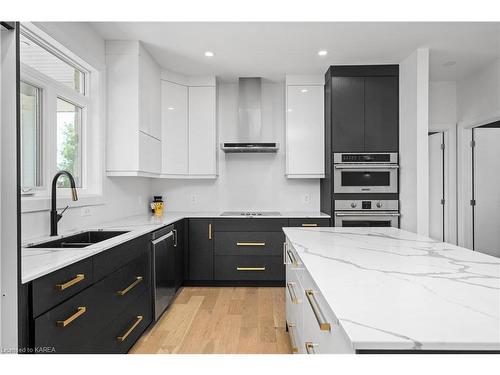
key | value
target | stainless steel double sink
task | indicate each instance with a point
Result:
(79, 240)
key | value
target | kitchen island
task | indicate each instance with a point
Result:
(362, 290)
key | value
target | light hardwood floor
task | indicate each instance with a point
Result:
(220, 320)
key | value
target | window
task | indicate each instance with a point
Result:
(31, 145)
(69, 147)
(61, 121)
(48, 63)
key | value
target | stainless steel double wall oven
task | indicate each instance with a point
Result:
(366, 189)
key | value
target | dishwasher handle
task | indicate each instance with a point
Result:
(162, 238)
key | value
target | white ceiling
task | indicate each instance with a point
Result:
(271, 50)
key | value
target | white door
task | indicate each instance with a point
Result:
(202, 131)
(486, 174)
(436, 186)
(305, 156)
(174, 118)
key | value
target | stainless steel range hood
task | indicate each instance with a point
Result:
(249, 131)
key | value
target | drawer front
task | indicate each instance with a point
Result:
(249, 243)
(115, 258)
(69, 327)
(124, 330)
(249, 225)
(309, 223)
(58, 286)
(249, 268)
(322, 333)
(117, 291)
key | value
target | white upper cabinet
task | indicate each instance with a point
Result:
(189, 127)
(174, 112)
(134, 119)
(202, 131)
(305, 141)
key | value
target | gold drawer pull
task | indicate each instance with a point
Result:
(292, 258)
(138, 279)
(310, 347)
(309, 225)
(67, 284)
(129, 331)
(323, 323)
(291, 291)
(250, 268)
(209, 231)
(250, 243)
(63, 323)
(291, 327)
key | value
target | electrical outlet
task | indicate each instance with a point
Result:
(86, 211)
(306, 198)
(194, 198)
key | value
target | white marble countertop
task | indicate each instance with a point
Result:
(393, 289)
(37, 262)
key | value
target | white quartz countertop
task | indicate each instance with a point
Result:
(37, 262)
(396, 290)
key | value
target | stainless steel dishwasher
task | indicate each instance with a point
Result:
(163, 246)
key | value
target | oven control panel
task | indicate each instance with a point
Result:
(368, 205)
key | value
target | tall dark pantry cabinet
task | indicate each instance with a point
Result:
(361, 115)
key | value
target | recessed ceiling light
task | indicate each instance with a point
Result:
(323, 52)
(449, 63)
(209, 54)
(170, 108)
(304, 90)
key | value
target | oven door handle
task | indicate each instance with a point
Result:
(367, 214)
(366, 167)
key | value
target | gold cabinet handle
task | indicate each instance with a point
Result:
(291, 327)
(80, 311)
(291, 291)
(250, 268)
(309, 224)
(292, 258)
(310, 347)
(138, 279)
(209, 231)
(320, 317)
(129, 331)
(250, 244)
(67, 284)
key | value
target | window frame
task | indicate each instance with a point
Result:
(39, 177)
(92, 132)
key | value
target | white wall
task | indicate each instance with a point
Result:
(478, 96)
(8, 192)
(413, 142)
(442, 105)
(246, 181)
(122, 196)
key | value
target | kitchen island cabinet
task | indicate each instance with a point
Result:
(385, 290)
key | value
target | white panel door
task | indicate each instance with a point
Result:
(436, 186)
(174, 118)
(487, 191)
(202, 131)
(305, 155)
(149, 154)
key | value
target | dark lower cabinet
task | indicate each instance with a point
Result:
(103, 316)
(249, 268)
(201, 250)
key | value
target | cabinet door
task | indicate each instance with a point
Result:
(348, 114)
(202, 131)
(174, 118)
(179, 254)
(149, 154)
(201, 249)
(381, 114)
(305, 143)
(149, 96)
